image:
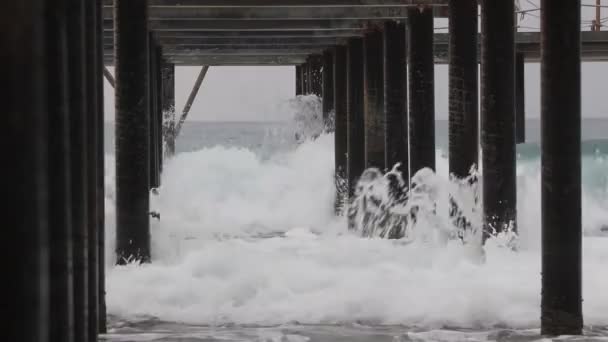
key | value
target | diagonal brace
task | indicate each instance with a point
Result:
(193, 93)
(109, 77)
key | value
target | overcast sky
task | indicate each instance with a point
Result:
(257, 93)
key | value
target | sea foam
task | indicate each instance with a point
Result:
(245, 240)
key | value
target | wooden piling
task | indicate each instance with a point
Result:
(463, 87)
(152, 110)
(168, 107)
(520, 99)
(303, 78)
(421, 78)
(374, 100)
(101, 174)
(298, 80)
(25, 173)
(92, 81)
(60, 207)
(340, 125)
(158, 72)
(315, 75)
(561, 294)
(306, 78)
(498, 115)
(78, 106)
(132, 131)
(395, 97)
(355, 109)
(328, 87)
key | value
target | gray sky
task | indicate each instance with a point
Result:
(229, 93)
(257, 93)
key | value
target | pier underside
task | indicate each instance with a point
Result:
(370, 62)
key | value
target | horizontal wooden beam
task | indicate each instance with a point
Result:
(222, 48)
(289, 3)
(203, 51)
(594, 46)
(534, 37)
(249, 25)
(272, 13)
(227, 60)
(244, 36)
(240, 52)
(254, 34)
(217, 41)
(441, 57)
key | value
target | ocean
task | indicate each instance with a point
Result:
(248, 249)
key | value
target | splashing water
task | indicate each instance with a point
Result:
(249, 248)
(385, 206)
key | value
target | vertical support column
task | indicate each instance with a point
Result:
(23, 39)
(101, 174)
(77, 98)
(373, 98)
(355, 109)
(60, 210)
(328, 88)
(463, 84)
(298, 80)
(498, 115)
(561, 300)
(305, 78)
(132, 131)
(421, 76)
(168, 107)
(309, 77)
(158, 73)
(92, 140)
(395, 97)
(520, 99)
(154, 134)
(315, 77)
(340, 125)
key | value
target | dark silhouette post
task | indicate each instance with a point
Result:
(355, 122)
(340, 125)
(153, 110)
(498, 115)
(310, 76)
(520, 99)
(78, 108)
(328, 87)
(93, 76)
(60, 207)
(25, 174)
(463, 84)
(463, 128)
(132, 131)
(421, 75)
(168, 107)
(561, 300)
(101, 173)
(306, 78)
(298, 80)
(395, 97)
(315, 64)
(158, 73)
(374, 100)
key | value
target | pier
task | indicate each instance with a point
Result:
(370, 61)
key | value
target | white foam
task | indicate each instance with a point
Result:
(209, 267)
